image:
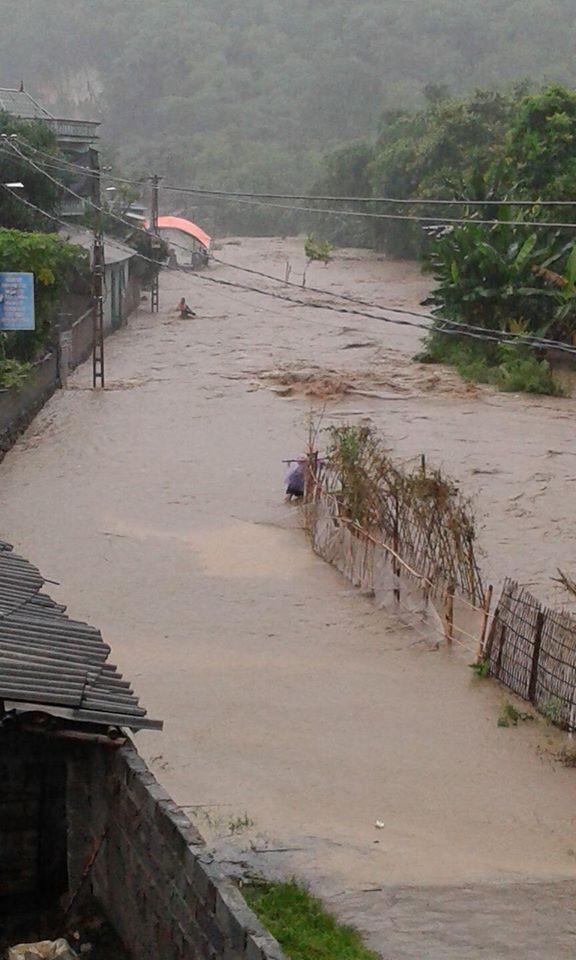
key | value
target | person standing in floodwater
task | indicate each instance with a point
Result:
(296, 479)
(184, 310)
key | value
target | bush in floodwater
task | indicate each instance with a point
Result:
(522, 372)
(511, 717)
(508, 367)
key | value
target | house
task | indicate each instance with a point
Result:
(189, 244)
(121, 280)
(77, 140)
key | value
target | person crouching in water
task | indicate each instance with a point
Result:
(184, 310)
(296, 479)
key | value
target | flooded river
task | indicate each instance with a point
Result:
(297, 715)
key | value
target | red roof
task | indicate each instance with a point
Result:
(185, 226)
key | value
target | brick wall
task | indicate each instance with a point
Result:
(152, 873)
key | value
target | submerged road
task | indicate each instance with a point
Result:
(296, 714)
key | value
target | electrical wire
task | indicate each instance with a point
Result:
(371, 215)
(447, 325)
(461, 330)
(526, 337)
(409, 218)
(239, 195)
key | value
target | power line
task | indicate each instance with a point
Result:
(401, 201)
(240, 195)
(514, 340)
(414, 218)
(459, 329)
(365, 214)
(376, 306)
(32, 206)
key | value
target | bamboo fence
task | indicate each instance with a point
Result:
(405, 538)
(532, 650)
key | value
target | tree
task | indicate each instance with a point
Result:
(53, 263)
(38, 190)
(540, 150)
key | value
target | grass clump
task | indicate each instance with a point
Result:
(553, 710)
(511, 717)
(510, 368)
(481, 668)
(302, 927)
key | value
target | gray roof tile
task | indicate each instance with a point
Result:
(49, 661)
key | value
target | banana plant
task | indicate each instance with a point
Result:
(485, 276)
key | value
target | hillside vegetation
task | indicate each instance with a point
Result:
(251, 94)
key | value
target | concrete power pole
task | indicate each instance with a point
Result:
(98, 267)
(155, 295)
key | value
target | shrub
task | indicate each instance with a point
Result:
(525, 373)
(13, 373)
(513, 369)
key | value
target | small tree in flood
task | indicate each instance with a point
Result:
(316, 250)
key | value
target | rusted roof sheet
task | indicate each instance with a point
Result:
(51, 663)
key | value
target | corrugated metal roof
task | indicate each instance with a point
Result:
(113, 252)
(48, 661)
(20, 104)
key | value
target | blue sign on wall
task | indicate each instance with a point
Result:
(17, 301)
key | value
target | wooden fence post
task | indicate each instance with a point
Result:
(395, 544)
(485, 617)
(449, 613)
(536, 655)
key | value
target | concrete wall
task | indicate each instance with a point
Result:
(150, 870)
(19, 406)
(183, 240)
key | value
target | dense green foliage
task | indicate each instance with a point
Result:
(505, 366)
(503, 269)
(499, 278)
(301, 925)
(252, 94)
(516, 279)
(38, 190)
(53, 263)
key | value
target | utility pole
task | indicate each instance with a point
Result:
(98, 267)
(155, 295)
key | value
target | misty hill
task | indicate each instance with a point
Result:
(252, 93)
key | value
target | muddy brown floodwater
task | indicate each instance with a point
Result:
(297, 715)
